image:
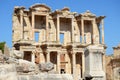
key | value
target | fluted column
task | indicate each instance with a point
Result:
(102, 22)
(72, 25)
(82, 29)
(83, 65)
(58, 62)
(58, 29)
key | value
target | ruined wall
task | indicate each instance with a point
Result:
(109, 72)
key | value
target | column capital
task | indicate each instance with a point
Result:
(72, 52)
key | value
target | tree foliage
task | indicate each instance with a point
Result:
(2, 44)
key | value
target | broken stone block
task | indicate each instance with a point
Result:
(25, 66)
(8, 72)
(46, 66)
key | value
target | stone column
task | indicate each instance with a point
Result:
(93, 31)
(41, 58)
(33, 58)
(21, 23)
(74, 65)
(102, 31)
(58, 62)
(82, 29)
(72, 25)
(58, 29)
(47, 30)
(48, 56)
(83, 65)
(33, 25)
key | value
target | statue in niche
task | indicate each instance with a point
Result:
(37, 54)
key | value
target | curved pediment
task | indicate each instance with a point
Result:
(65, 9)
(40, 7)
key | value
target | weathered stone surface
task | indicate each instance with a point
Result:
(113, 64)
(8, 72)
(18, 54)
(46, 66)
(11, 60)
(25, 66)
(45, 76)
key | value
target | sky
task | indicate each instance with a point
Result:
(108, 8)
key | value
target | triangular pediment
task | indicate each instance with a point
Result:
(88, 13)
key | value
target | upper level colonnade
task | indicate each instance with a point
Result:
(85, 28)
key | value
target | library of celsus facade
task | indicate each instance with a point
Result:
(73, 42)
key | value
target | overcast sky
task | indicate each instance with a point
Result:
(109, 8)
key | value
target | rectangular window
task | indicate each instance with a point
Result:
(36, 36)
(40, 22)
(61, 38)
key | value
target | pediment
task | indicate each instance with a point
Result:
(65, 9)
(40, 8)
(88, 13)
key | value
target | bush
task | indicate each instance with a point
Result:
(2, 44)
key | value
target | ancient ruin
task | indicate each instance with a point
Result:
(113, 65)
(57, 45)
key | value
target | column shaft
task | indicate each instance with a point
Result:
(47, 29)
(72, 23)
(58, 29)
(83, 65)
(82, 29)
(33, 58)
(58, 62)
(102, 31)
(48, 56)
(74, 65)
(93, 31)
(33, 22)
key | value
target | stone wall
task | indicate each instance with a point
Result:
(8, 72)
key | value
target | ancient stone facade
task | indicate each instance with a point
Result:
(73, 42)
(113, 65)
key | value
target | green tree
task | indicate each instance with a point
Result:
(2, 44)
